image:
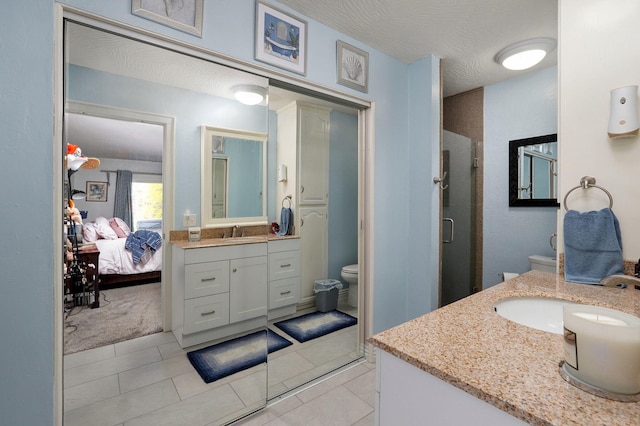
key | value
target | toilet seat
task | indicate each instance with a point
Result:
(350, 269)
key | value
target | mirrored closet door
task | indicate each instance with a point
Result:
(265, 309)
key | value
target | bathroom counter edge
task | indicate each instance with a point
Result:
(221, 242)
(508, 365)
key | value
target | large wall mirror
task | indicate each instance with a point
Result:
(233, 177)
(533, 172)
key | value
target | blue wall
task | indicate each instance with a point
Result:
(343, 192)
(519, 108)
(26, 232)
(26, 256)
(191, 110)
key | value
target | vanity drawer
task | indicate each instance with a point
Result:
(283, 292)
(285, 264)
(206, 279)
(204, 313)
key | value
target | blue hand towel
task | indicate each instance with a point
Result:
(592, 246)
(286, 222)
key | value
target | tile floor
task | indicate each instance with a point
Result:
(149, 381)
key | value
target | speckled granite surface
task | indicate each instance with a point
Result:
(508, 365)
(219, 242)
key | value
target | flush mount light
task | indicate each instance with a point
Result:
(249, 94)
(525, 54)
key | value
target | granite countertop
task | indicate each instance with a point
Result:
(509, 365)
(229, 241)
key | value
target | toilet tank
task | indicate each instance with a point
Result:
(542, 263)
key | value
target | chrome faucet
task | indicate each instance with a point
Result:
(620, 280)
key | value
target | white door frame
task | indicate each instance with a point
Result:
(168, 136)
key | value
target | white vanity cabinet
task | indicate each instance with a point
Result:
(248, 288)
(284, 277)
(218, 291)
(406, 394)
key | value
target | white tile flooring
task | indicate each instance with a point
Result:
(150, 381)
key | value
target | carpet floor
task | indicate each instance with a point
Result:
(124, 313)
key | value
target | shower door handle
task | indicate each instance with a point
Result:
(450, 220)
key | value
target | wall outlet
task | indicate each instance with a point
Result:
(189, 220)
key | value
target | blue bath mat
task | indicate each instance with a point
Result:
(226, 358)
(316, 324)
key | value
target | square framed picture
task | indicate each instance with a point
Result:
(281, 39)
(183, 15)
(352, 66)
(96, 191)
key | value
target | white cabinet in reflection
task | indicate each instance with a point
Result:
(284, 277)
(218, 291)
(303, 147)
(314, 237)
(247, 288)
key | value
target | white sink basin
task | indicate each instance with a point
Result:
(541, 313)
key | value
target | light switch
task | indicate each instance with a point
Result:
(189, 220)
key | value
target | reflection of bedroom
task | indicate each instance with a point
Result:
(127, 241)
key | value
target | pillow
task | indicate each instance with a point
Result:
(120, 227)
(104, 229)
(89, 233)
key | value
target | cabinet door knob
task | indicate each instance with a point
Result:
(235, 269)
(301, 189)
(282, 293)
(204, 314)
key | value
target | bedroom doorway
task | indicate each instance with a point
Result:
(131, 296)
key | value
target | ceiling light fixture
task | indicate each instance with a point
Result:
(525, 54)
(249, 94)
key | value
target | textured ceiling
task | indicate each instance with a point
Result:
(466, 34)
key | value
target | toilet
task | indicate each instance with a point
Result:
(349, 274)
(542, 263)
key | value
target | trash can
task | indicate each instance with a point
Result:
(326, 294)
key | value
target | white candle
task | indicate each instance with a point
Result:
(602, 347)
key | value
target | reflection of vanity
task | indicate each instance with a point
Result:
(221, 289)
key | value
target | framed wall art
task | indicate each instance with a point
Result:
(96, 191)
(183, 15)
(281, 39)
(352, 66)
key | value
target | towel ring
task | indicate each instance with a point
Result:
(586, 183)
(287, 198)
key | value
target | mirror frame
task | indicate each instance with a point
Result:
(514, 201)
(206, 220)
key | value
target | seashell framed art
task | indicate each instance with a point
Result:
(352, 66)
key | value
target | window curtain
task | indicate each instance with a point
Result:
(122, 202)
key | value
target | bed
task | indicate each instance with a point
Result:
(115, 263)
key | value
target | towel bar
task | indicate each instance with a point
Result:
(586, 183)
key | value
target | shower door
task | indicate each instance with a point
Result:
(459, 217)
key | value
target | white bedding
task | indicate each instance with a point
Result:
(115, 259)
